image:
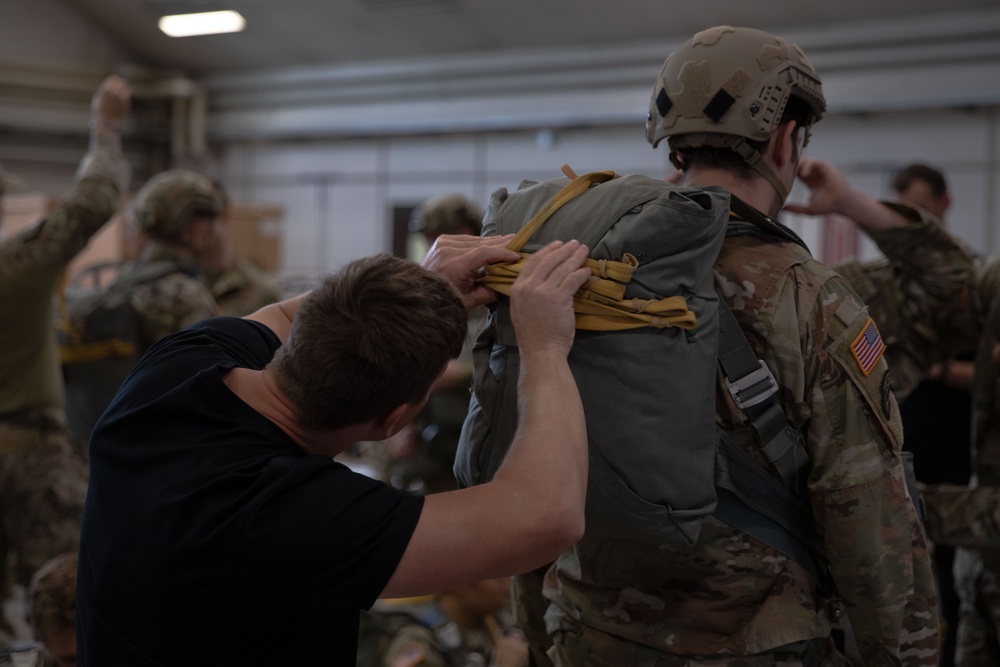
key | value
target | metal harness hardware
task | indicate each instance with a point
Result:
(760, 381)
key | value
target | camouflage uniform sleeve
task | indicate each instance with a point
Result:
(62, 234)
(920, 296)
(959, 516)
(171, 304)
(879, 558)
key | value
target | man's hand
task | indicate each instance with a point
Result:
(831, 192)
(112, 100)
(829, 189)
(460, 258)
(541, 298)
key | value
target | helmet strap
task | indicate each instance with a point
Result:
(756, 161)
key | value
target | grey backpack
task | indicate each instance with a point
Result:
(648, 393)
(658, 461)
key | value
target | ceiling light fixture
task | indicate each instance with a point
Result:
(203, 23)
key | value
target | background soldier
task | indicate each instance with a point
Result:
(179, 211)
(970, 518)
(42, 480)
(421, 456)
(162, 291)
(919, 295)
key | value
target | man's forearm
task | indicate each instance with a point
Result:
(546, 467)
(870, 214)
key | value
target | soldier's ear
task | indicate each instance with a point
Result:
(784, 144)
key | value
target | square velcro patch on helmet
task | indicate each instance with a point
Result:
(663, 102)
(719, 105)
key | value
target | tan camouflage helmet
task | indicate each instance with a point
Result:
(728, 85)
(446, 214)
(171, 199)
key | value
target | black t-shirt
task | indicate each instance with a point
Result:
(210, 537)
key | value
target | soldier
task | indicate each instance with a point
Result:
(163, 290)
(179, 210)
(42, 481)
(969, 517)
(736, 106)
(421, 456)
(920, 293)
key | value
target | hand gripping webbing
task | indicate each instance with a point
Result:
(600, 305)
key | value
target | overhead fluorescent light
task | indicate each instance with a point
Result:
(203, 23)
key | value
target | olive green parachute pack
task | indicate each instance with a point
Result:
(652, 337)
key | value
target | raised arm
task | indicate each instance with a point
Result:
(831, 192)
(533, 509)
(920, 294)
(102, 178)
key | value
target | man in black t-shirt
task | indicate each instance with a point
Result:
(219, 530)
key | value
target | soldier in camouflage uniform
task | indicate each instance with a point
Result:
(42, 480)
(179, 211)
(735, 104)
(970, 517)
(421, 456)
(919, 295)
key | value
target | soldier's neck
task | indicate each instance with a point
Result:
(755, 191)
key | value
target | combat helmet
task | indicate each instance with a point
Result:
(446, 214)
(726, 86)
(171, 199)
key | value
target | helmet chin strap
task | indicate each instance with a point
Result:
(740, 146)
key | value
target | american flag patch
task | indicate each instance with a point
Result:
(868, 347)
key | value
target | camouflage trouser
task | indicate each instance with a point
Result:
(529, 613)
(43, 485)
(587, 646)
(597, 649)
(978, 642)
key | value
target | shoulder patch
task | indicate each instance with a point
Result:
(868, 347)
(848, 311)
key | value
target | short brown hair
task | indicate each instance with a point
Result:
(52, 595)
(373, 336)
(934, 178)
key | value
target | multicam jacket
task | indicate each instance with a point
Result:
(173, 302)
(729, 595)
(31, 267)
(243, 288)
(920, 295)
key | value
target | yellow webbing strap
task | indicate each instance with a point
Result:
(600, 304)
(81, 353)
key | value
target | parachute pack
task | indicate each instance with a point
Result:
(100, 342)
(652, 336)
